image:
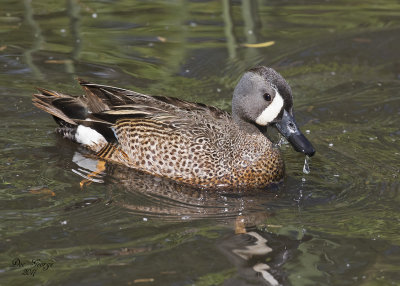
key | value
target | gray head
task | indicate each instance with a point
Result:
(263, 98)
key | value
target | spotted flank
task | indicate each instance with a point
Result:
(191, 143)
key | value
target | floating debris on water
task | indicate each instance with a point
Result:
(162, 39)
(306, 167)
(42, 191)
(259, 45)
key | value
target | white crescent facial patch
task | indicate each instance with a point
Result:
(272, 111)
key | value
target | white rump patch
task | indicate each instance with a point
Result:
(88, 136)
(272, 111)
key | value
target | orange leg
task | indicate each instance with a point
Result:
(101, 166)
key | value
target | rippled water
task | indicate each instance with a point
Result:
(337, 225)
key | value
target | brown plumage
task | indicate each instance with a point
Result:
(192, 143)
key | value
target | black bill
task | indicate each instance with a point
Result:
(288, 128)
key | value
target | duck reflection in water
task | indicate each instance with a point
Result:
(157, 198)
(170, 200)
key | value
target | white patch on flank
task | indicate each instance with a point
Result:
(272, 111)
(88, 136)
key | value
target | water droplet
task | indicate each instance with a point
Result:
(306, 167)
(282, 141)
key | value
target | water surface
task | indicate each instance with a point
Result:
(337, 225)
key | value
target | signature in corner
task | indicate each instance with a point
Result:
(31, 267)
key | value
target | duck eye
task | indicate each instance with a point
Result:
(267, 96)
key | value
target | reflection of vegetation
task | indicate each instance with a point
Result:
(340, 59)
(124, 37)
(38, 39)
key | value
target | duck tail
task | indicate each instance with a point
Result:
(47, 101)
(73, 115)
(66, 110)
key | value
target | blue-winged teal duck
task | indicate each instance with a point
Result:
(192, 143)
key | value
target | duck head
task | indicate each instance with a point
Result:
(263, 98)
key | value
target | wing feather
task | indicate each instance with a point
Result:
(102, 107)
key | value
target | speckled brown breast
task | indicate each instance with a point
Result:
(207, 154)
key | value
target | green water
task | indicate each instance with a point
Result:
(338, 225)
